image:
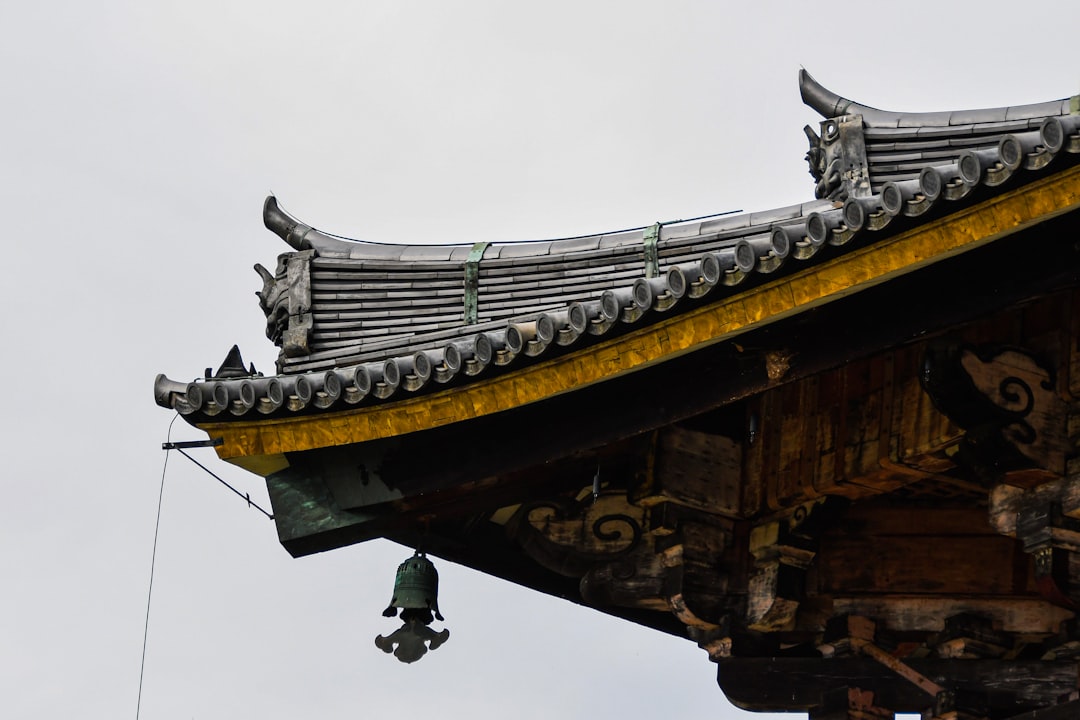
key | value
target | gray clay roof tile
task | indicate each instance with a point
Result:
(372, 302)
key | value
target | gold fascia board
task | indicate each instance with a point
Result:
(683, 333)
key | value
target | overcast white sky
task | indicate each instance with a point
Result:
(138, 141)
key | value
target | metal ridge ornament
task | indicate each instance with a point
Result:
(416, 589)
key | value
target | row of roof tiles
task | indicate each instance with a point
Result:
(829, 105)
(365, 310)
(303, 237)
(790, 235)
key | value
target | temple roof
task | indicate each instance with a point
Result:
(831, 443)
(363, 323)
(900, 144)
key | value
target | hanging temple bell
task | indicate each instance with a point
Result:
(416, 589)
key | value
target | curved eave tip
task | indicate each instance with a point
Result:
(284, 225)
(818, 97)
(271, 212)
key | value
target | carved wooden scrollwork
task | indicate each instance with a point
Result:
(665, 558)
(570, 537)
(1005, 400)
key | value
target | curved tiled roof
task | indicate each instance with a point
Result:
(369, 301)
(900, 145)
(363, 322)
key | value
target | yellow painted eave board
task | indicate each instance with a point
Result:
(245, 442)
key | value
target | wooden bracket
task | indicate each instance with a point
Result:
(1006, 400)
(905, 671)
(1067, 710)
(783, 549)
(715, 640)
(857, 634)
(850, 703)
(971, 636)
(1058, 501)
(1046, 519)
(1066, 645)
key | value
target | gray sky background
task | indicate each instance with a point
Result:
(138, 142)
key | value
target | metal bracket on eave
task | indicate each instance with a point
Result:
(185, 444)
(472, 282)
(652, 256)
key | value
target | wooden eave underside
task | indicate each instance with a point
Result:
(509, 446)
(452, 486)
(852, 480)
(932, 558)
(247, 441)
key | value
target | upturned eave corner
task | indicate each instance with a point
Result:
(833, 444)
(837, 278)
(362, 324)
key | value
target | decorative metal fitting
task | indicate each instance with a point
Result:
(416, 589)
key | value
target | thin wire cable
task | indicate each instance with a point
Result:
(245, 496)
(153, 561)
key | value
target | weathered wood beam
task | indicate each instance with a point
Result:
(850, 704)
(972, 636)
(902, 669)
(919, 549)
(1063, 711)
(796, 684)
(926, 613)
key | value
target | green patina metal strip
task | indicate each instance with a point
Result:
(1074, 105)
(652, 257)
(472, 281)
